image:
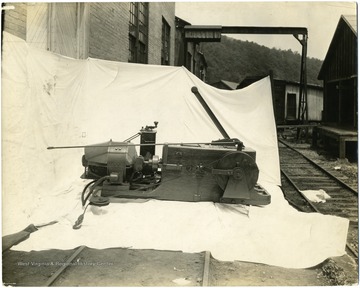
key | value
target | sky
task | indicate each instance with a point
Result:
(320, 18)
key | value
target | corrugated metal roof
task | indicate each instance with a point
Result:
(351, 21)
(252, 79)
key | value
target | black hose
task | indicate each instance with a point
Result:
(92, 186)
(84, 190)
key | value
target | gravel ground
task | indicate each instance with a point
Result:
(344, 167)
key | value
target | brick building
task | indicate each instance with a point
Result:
(140, 32)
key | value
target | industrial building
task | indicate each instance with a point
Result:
(286, 100)
(135, 32)
(340, 75)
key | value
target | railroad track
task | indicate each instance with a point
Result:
(70, 266)
(300, 173)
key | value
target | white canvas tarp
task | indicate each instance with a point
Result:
(51, 100)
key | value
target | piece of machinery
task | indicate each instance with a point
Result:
(220, 171)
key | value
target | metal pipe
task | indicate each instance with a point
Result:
(209, 112)
(127, 144)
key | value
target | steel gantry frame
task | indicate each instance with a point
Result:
(200, 33)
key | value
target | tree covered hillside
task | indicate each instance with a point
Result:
(233, 60)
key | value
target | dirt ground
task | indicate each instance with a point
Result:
(128, 267)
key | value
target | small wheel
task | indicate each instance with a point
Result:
(238, 161)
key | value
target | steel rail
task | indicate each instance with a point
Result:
(63, 267)
(342, 183)
(152, 144)
(55, 276)
(299, 191)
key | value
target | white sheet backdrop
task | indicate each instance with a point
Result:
(51, 100)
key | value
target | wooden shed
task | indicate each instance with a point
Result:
(286, 100)
(339, 73)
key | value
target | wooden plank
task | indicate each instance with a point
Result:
(63, 267)
(337, 131)
(342, 148)
(13, 239)
(296, 126)
(341, 135)
(312, 177)
(37, 25)
(63, 32)
(263, 30)
(206, 273)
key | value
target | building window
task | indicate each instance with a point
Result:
(165, 43)
(291, 106)
(138, 32)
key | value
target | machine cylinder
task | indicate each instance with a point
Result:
(147, 137)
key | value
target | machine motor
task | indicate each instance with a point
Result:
(220, 171)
